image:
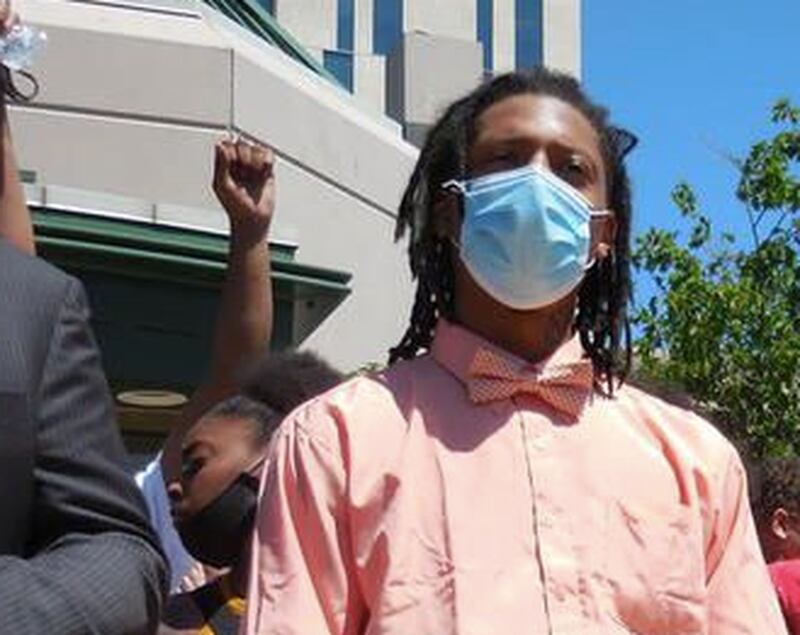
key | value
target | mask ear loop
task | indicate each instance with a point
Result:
(455, 188)
(623, 142)
(600, 213)
(251, 477)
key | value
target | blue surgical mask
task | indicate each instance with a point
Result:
(525, 236)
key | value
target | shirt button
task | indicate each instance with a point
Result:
(557, 591)
(541, 442)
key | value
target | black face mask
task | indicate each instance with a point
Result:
(218, 533)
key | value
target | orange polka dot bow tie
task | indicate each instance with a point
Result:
(564, 387)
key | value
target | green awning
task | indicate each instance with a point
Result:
(164, 252)
(154, 292)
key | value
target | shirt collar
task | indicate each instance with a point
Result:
(455, 347)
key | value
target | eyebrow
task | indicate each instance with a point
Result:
(522, 139)
(517, 140)
(193, 446)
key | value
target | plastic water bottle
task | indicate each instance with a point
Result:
(20, 46)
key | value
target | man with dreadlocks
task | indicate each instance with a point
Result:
(499, 477)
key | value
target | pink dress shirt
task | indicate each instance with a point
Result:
(396, 505)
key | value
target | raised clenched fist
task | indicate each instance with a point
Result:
(244, 182)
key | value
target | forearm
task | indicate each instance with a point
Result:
(244, 322)
(15, 219)
(242, 332)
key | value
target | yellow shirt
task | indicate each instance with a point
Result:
(230, 602)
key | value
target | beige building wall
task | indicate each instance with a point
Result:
(446, 18)
(132, 101)
(392, 86)
(369, 79)
(426, 80)
(561, 36)
(363, 26)
(504, 35)
(313, 22)
(369, 70)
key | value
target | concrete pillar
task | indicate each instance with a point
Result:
(504, 35)
(312, 22)
(562, 35)
(370, 82)
(447, 18)
(424, 74)
(364, 16)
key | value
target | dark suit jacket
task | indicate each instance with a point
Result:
(76, 551)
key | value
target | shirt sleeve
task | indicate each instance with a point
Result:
(302, 578)
(151, 483)
(741, 596)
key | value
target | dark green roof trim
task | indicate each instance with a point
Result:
(256, 19)
(147, 250)
(55, 222)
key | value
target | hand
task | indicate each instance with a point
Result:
(8, 17)
(244, 183)
(8, 20)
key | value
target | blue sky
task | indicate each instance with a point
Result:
(692, 79)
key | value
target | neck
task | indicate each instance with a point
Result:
(531, 335)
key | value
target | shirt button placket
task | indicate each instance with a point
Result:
(536, 441)
(556, 572)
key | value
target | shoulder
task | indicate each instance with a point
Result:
(677, 428)
(33, 290)
(19, 271)
(34, 296)
(376, 401)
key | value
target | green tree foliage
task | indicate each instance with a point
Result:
(724, 324)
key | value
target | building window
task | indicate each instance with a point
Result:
(485, 31)
(387, 16)
(345, 25)
(340, 65)
(529, 33)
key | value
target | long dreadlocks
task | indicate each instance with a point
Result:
(602, 302)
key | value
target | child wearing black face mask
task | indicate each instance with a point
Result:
(214, 535)
(215, 502)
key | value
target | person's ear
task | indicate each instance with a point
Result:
(446, 215)
(779, 523)
(604, 235)
(174, 492)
